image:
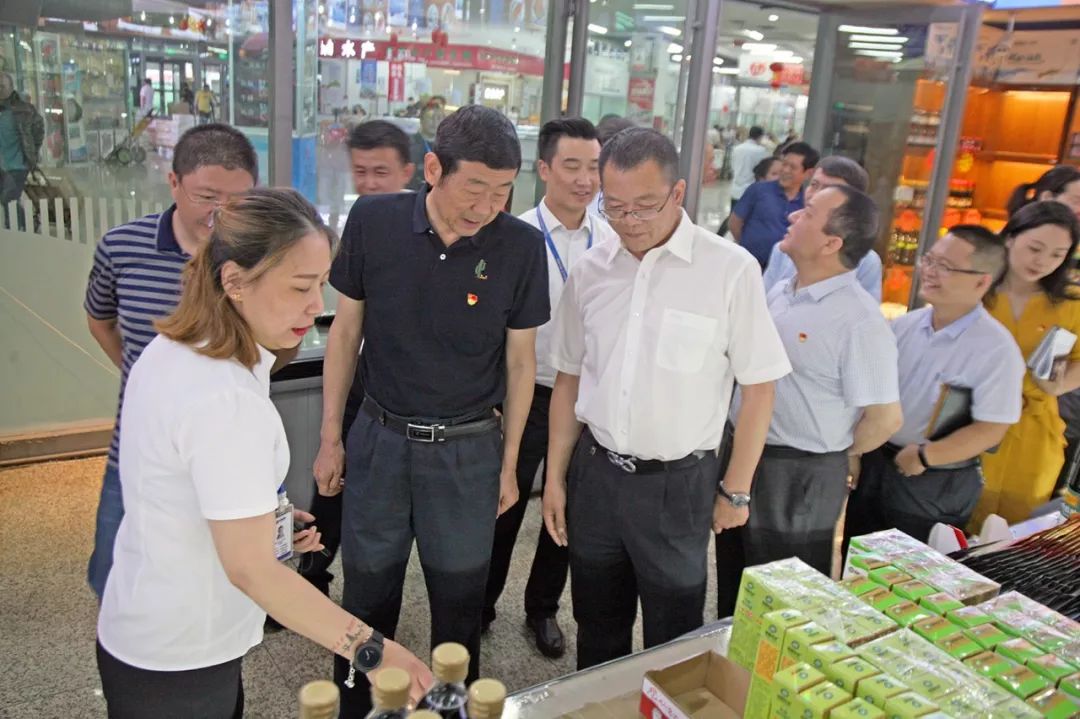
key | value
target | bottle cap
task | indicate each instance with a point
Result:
(424, 714)
(390, 690)
(486, 699)
(319, 699)
(450, 663)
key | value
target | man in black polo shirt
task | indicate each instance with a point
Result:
(446, 292)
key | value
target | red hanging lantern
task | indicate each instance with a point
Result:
(393, 38)
(184, 23)
(777, 69)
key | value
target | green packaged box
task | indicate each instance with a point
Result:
(1071, 685)
(881, 598)
(787, 685)
(987, 635)
(930, 685)
(989, 664)
(906, 613)
(969, 617)
(822, 699)
(798, 640)
(1022, 682)
(822, 654)
(941, 603)
(767, 660)
(847, 673)
(859, 584)
(935, 628)
(909, 705)
(878, 690)
(1054, 704)
(1054, 668)
(914, 590)
(889, 576)
(962, 706)
(857, 709)
(1014, 708)
(866, 561)
(959, 646)
(1019, 650)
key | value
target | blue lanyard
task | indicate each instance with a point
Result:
(551, 242)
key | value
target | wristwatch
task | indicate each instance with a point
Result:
(369, 655)
(738, 500)
(922, 456)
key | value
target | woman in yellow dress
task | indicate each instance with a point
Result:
(1029, 299)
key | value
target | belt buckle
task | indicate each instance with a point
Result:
(426, 433)
(626, 464)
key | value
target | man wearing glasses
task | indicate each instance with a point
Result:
(955, 346)
(649, 337)
(135, 280)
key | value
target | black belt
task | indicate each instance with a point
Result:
(891, 450)
(779, 451)
(430, 432)
(634, 465)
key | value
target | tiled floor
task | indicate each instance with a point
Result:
(48, 615)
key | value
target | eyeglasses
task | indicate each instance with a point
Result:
(929, 262)
(203, 199)
(643, 215)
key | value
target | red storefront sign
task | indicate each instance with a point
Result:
(454, 57)
(396, 87)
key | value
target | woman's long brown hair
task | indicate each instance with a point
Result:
(254, 230)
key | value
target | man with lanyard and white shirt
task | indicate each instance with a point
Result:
(650, 335)
(568, 153)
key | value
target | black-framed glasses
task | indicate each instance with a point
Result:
(643, 215)
(929, 262)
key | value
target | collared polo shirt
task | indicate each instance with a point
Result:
(764, 208)
(658, 343)
(744, 158)
(436, 317)
(843, 358)
(135, 279)
(975, 352)
(571, 245)
(782, 267)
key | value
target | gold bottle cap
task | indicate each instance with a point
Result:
(450, 663)
(486, 699)
(390, 690)
(319, 700)
(424, 714)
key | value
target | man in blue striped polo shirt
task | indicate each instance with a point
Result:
(135, 280)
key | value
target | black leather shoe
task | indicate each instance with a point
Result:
(549, 637)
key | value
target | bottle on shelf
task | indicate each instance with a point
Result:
(486, 699)
(390, 694)
(448, 697)
(319, 700)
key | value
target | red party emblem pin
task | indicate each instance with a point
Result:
(802, 336)
(471, 299)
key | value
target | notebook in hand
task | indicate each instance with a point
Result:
(1056, 345)
(952, 411)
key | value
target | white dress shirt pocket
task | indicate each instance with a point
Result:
(685, 339)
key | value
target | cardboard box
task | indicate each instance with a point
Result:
(1055, 705)
(878, 690)
(889, 576)
(906, 613)
(1019, 650)
(881, 598)
(859, 584)
(847, 673)
(941, 603)
(822, 654)
(969, 617)
(706, 686)
(959, 646)
(989, 664)
(818, 702)
(857, 709)
(798, 640)
(935, 628)
(987, 635)
(787, 685)
(1022, 682)
(914, 590)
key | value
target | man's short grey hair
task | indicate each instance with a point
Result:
(846, 169)
(635, 146)
(855, 222)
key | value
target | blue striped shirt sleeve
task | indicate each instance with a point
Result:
(101, 303)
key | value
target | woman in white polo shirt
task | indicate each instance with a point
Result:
(202, 454)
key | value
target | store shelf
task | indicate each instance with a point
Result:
(1004, 156)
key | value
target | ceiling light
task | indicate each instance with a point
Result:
(756, 47)
(718, 61)
(663, 18)
(795, 60)
(869, 30)
(676, 58)
(598, 29)
(874, 46)
(628, 43)
(674, 48)
(783, 54)
(726, 70)
(753, 35)
(900, 40)
(880, 53)
(652, 6)
(673, 31)
(774, 17)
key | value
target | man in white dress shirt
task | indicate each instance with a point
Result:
(744, 157)
(650, 336)
(569, 159)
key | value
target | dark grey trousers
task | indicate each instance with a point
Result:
(886, 499)
(636, 536)
(443, 495)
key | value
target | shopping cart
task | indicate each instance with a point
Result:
(129, 149)
(40, 186)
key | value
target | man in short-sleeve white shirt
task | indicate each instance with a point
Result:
(650, 336)
(915, 481)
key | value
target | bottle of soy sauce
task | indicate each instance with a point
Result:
(448, 697)
(390, 694)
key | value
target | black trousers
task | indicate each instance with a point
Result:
(445, 496)
(636, 536)
(215, 692)
(796, 501)
(885, 499)
(315, 566)
(551, 563)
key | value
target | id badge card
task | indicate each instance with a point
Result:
(283, 532)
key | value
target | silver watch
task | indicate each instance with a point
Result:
(738, 500)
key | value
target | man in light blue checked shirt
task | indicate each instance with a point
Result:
(841, 398)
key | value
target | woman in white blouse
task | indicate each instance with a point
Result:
(202, 453)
